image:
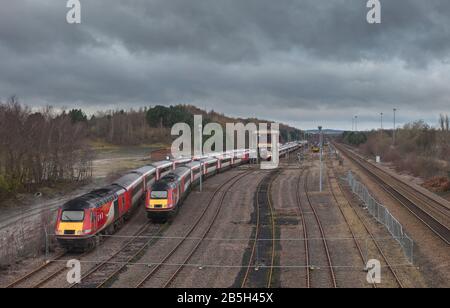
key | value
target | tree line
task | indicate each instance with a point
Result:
(39, 148)
(419, 148)
(47, 146)
(153, 125)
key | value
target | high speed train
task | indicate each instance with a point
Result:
(165, 196)
(163, 185)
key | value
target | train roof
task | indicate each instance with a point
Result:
(226, 156)
(94, 198)
(170, 179)
(180, 171)
(208, 160)
(182, 160)
(163, 184)
(193, 164)
(129, 180)
(145, 170)
(162, 163)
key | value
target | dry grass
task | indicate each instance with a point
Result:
(420, 150)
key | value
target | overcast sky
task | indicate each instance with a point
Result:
(302, 62)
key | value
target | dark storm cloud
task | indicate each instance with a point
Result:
(283, 60)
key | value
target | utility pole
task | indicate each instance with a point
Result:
(356, 123)
(393, 134)
(353, 124)
(321, 153)
(381, 124)
(381, 117)
(257, 146)
(200, 131)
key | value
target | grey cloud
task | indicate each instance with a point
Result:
(292, 57)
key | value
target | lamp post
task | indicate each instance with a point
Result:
(257, 145)
(200, 131)
(393, 134)
(381, 124)
(321, 152)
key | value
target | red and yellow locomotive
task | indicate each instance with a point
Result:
(83, 220)
(166, 195)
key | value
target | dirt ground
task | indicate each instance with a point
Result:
(407, 177)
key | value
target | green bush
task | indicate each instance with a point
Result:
(355, 138)
(161, 116)
(77, 115)
(8, 186)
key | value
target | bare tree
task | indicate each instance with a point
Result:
(447, 124)
(39, 148)
(444, 122)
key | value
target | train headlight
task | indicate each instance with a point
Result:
(59, 232)
(84, 232)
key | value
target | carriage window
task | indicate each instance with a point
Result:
(72, 216)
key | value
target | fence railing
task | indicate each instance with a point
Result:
(383, 216)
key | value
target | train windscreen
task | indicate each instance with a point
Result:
(158, 195)
(72, 216)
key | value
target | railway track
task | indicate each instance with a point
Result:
(424, 208)
(264, 226)
(31, 279)
(364, 225)
(304, 231)
(104, 272)
(440, 207)
(167, 271)
(321, 234)
(48, 271)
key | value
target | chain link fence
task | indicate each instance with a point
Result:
(383, 216)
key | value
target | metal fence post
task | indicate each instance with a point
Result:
(382, 215)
